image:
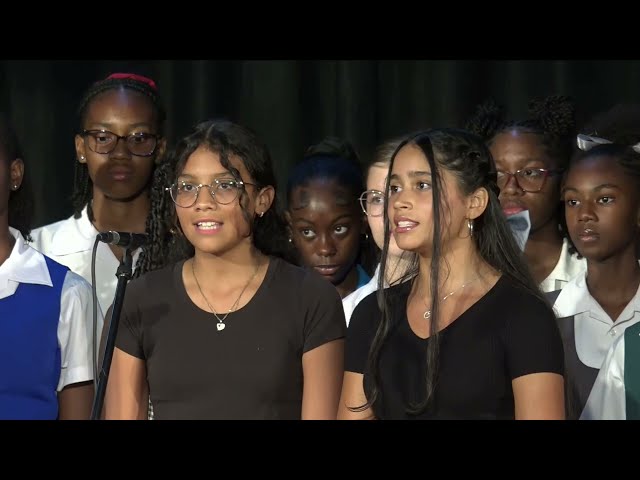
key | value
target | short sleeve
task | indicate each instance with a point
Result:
(76, 332)
(129, 335)
(324, 316)
(360, 334)
(532, 340)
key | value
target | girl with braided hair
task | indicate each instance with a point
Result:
(470, 335)
(119, 142)
(530, 156)
(218, 325)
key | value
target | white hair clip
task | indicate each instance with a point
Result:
(587, 142)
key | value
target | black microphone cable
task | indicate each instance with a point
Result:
(95, 313)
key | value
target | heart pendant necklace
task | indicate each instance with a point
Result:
(221, 325)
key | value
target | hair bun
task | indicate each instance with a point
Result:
(556, 114)
(333, 147)
(487, 119)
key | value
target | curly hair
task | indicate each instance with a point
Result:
(552, 118)
(167, 243)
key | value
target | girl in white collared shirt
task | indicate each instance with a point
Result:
(45, 333)
(602, 211)
(119, 141)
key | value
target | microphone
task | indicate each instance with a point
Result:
(123, 239)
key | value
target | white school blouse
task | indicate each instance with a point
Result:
(75, 327)
(70, 242)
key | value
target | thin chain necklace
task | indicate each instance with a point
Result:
(427, 314)
(220, 325)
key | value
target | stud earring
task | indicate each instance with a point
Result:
(81, 158)
(261, 214)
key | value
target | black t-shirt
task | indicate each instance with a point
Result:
(504, 335)
(250, 370)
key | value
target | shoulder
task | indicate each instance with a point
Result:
(526, 322)
(367, 312)
(518, 302)
(156, 281)
(51, 229)
(288, 276)
(73, 282)
(58, 238)
(510, 290)
(351, 301)
(76, 292)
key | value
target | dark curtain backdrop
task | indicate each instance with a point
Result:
(292, 104)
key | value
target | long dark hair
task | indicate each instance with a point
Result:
(21, 200)
(167, 243)
(552, 118)
(466, 156)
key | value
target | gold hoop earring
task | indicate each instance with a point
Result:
(470, 226)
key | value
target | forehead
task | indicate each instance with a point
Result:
(204, 162)
(121, 105)
(598, 169)
(322, 195)
(377, 175)
(517, 144)
(410, 158)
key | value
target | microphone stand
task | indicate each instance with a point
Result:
(124, 274)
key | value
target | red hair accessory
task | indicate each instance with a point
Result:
(137, 78)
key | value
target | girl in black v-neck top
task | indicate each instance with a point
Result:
(470, 335)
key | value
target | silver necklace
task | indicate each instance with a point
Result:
(427, 314)
(220, 325)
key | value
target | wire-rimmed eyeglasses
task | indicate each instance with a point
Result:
(372, 203)
(185, 194)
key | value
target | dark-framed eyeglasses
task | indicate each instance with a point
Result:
(185, 194)
(141, 144)
(529, 180)
(372, 203)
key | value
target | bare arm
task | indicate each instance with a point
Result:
(322, 369)
(353, 396)
(539, 396)
(127, 395)
(75, 401)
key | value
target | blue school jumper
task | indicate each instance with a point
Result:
(29, 349)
